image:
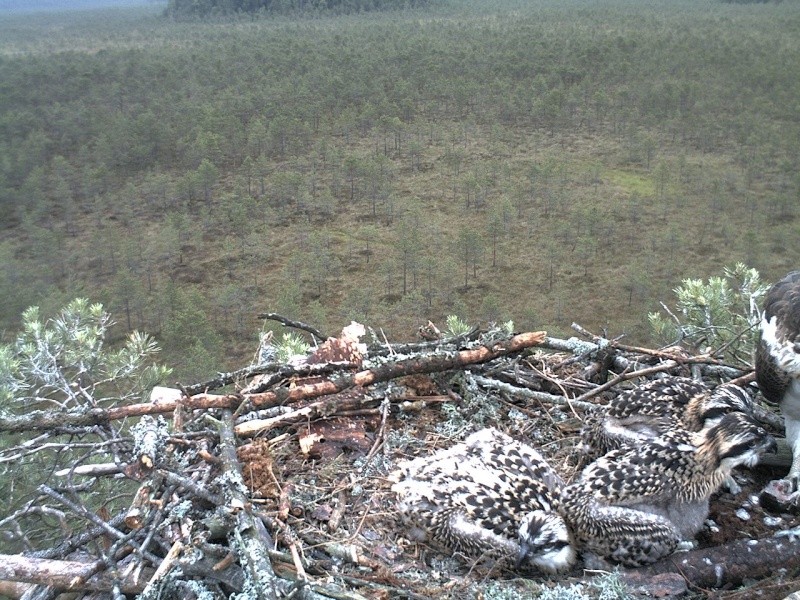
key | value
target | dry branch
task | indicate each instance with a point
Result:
(64, 574)
(249, 537)
(431, 363)
(513, 390)
(294, 325)
(271, 373)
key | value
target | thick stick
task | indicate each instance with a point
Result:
(728, 564)
(248, 538)
(63, 574)
(430, 363)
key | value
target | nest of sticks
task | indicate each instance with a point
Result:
(271, 481)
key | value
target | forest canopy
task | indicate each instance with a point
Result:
(543, 162)
(202, 8)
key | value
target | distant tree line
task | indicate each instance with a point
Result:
(392, 166)
(203, 8)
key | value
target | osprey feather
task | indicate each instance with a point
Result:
(488, 495)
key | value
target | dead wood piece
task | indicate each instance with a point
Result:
(191, 486)
(165, 567)
(71, 544)
(64, 574)
(350, 400)
(294, 324)
(223, 379)
(346, 348)
(140, 507)
(249, 538)
(782, 458)
(150, 436)
(93, 470)
(14, 589)
(488, 382)
(729, 564)
(431, 363)
(667, 586)
(85, 513)
(455, 342)
(380, 436)
(326, 439)
(710, 364)
(285, 372)
(774, 420)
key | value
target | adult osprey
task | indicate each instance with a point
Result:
(778, 361)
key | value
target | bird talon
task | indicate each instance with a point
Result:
(732, 486)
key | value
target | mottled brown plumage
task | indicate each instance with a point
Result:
(487, 495)
(657, 407)
(635, 504)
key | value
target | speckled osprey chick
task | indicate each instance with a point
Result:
(488, 495)
(635, 504)
(657, 407)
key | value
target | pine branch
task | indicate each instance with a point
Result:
(428, 363)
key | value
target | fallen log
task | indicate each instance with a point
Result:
(728, 564)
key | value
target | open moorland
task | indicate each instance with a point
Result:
(542, 161)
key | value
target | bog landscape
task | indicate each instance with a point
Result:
(226, 182)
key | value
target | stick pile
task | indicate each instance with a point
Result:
(276, 488)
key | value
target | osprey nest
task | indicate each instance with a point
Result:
(276, 481)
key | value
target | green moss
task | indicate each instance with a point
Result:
(631, 183)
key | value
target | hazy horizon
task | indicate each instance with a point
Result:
(21, 6)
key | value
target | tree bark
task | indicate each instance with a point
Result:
(64, 574)
(729, 564)
(430, 363)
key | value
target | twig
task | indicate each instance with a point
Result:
(223, 379)
(385, 404)
(387, 344)
(191, 486)
(526, 393)
(107, 528)
(703, 358)
(165, 567)
(294, 325)
(674, 317)
(421, 347)
(721, 350)
(607, 385)
(68, 546)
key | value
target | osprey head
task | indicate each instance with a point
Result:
(738, 440)
(545, 542)
(724, 399)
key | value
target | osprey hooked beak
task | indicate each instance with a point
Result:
(521, 554)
